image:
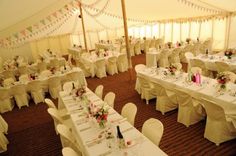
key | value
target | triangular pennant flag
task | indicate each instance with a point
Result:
(23, 32)
(66, 7)
(16, 35)
(55, 14)
(49, 18)
(30, 29)
(42, 21)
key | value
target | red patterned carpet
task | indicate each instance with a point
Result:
(31, 129)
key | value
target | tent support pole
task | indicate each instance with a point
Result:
(127, 39)
(82, 20)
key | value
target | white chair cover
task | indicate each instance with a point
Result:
(67, 138)
(101, 68)
(131, 49)
(54, 84)
(3, 125)
(67, 151)
(20, 95)
(36, 91)
(174, 56)
(23, 70)
(62, 112)
(153, 129)
(166, 100)
(24, 78)
(110, 99)
(6, 102)
(112, 65)
(8, 74)
(3, 143)
(163, 61)
(195, 70)
(137, 68)
(122, 63)
(42, 66)
(200, 64)
(146, 89)
(137, 48)
(8, 82)
(222, 66)
(129, 111)
(189, 111)
(99, 91)
(219, 128)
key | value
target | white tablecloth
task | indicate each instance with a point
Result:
(86, 130)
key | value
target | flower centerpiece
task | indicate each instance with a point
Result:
(229, 53)
(222, 80)
(100, 114)
(172, 69)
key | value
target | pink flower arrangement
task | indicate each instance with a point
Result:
(98, 113)
(229, 53)
(222, 79)
(172, 69)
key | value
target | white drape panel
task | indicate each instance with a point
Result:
(167, 32)
(148, 31)
(185, 31)
(232, 36)
(176, 32)
(103, 35)
(194, 30)
(136, 32)
(206, 30)
(142, 31)
(219, 34)
(162, 30)
(155, 30)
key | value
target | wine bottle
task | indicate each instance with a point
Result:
(73, 85)
(120, 137)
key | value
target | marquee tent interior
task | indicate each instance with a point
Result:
(52, 87)
(36, 26)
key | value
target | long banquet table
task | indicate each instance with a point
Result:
(211, 59)
(86, 130)
(208, 89)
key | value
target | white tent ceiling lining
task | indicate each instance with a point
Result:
(139, 12)
(136, 9)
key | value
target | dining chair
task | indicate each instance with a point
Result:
(111, 66)
(20, 95)
(3, 125)
(190, 111)
(110, 99)
(68, 138)
(57, 118)
(153, 129)
(99, 91)
(137, 48)
(219, 127)
(137, 68)
(101, 68)
(174, 56)
(63, 112)
(163, 61)
(54, 84)
(6, 101)
(68, 151)
(222, 66)
(145, 89)
(122, 63)
(42, 66)
(129, 111)
(23, 70)
(3, 143)
(36, 91)
(8, 82)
